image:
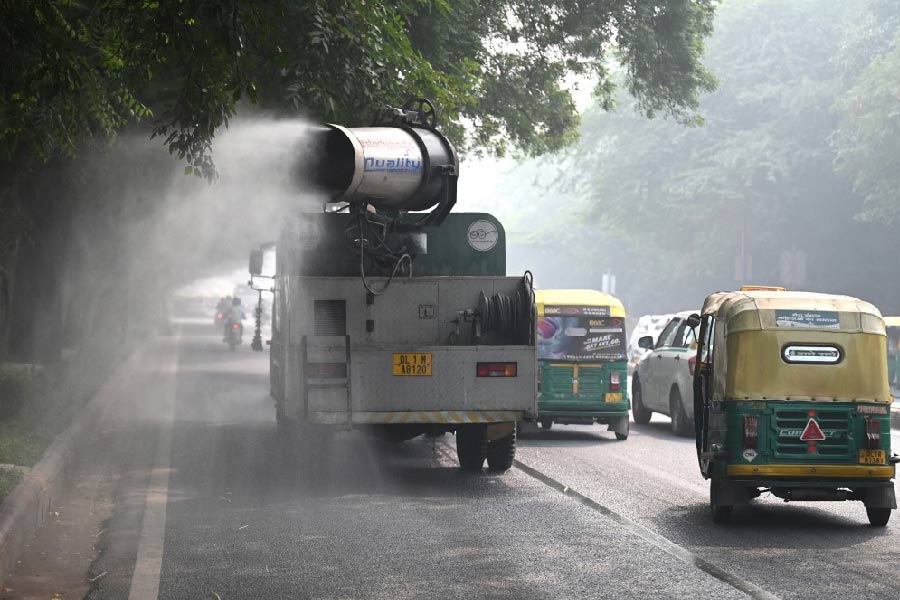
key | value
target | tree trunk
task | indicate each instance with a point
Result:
(36, 319)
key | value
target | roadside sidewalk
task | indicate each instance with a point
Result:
(37, 497)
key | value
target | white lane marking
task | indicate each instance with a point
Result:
(663, 543)
(145, 580)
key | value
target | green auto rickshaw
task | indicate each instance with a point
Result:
(582, 360)
(791, 397)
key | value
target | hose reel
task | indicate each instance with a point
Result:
(509, 317)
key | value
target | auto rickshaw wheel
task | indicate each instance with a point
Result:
(623, 435)
(471, 446)
(721, 514)
(546, 423)
(878, 516)
(676, 412)
(638, 410)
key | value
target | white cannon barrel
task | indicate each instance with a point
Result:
(401, 168)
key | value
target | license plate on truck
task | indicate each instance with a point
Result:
(871, 457)
(412, 364)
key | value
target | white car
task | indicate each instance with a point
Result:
(663, 379)
(650, 325)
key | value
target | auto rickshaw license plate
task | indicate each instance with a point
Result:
(410, 364)
(871, 457)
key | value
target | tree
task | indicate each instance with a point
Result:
(74, 69)
(672, 209)
(867, 141)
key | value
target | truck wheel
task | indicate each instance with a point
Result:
(878, 517)
(676, 412)
(721, 514)
(638, 410)
(546, 423)
(471, 446)
(501, 453)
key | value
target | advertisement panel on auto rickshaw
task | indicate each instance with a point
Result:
(791, 398)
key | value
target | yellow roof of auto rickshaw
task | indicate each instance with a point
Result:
(554, 297)
(892, 321)
(730, 305)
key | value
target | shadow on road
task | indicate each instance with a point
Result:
(769, 525)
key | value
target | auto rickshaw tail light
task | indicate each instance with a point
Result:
(615, 381)
(873, 434)
(751, 432)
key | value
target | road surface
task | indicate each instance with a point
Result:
(196, 501)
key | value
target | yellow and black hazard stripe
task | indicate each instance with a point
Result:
(445, 417)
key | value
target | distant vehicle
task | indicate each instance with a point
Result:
(650, 325)
(233, 335)
(663, 380)
(223, 308)
(792, 398)
(582, 368)
(233, 323)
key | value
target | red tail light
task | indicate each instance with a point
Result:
(497, 369)
(218, 315)
(751, 432)
(692, 364)
(235, 325)
(873, 434)
(615, 381)
(540, 377)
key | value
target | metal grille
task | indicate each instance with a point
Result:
(834, 422)
(591, 382)
(330, 317)
(558, 380)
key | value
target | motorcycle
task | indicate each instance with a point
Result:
(233, 335)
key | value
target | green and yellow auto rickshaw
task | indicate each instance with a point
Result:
(791, 397)
(582, 360)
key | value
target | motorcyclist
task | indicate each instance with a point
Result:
(235, 314)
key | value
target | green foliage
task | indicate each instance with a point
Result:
(867, 142)
(72, 70)
(9, 478)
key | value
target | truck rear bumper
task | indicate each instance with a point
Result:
(442, 417)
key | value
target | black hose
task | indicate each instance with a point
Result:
(362, 258)
(510, 317)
